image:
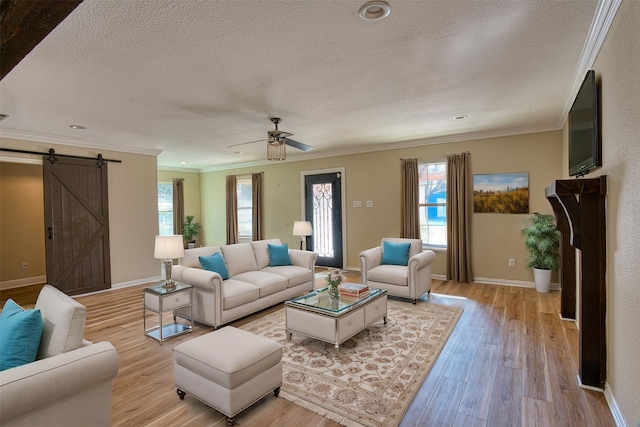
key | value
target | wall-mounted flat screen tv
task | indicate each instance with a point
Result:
(585, 147)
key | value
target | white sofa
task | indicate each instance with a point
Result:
(70, 383)
(252, 285)
(410, 281)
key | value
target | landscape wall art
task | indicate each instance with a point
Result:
(501, 193)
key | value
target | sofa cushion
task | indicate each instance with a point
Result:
(20, 332)
(392, 274)
(62, 322)
(296, 275)
(279, 255)
(216, 264)
(395, 253)
(268, 283)
(261, 251)
(239, 258)
(191, 256)
(237, 293)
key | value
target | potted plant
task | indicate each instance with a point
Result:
(542, 240)
(190, 230)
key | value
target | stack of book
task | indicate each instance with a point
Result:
(353, 291)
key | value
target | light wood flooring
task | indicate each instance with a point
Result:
(510, 361)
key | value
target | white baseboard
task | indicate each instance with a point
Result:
(18, 283)
(588, 387)
(516, 283)
(122, 285)
(136, 282)
(614, 408)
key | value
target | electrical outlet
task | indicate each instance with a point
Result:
(25, 265)
(512, 262)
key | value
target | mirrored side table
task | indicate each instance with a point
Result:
(162, 300)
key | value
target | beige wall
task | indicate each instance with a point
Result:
(377, 176)
(191, 194)
(618, 69)
(133, 208)
(21, 224)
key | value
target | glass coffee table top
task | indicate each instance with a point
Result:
(320, 300)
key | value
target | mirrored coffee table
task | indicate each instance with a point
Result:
(334, 320)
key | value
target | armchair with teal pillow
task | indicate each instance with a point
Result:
(400, 266)
(70, 381)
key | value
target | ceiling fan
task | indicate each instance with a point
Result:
(277, 140)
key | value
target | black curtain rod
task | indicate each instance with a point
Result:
(52, 155)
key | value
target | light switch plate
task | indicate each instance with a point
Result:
(357, 204)
(369, 203)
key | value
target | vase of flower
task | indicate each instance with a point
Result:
(334, 278)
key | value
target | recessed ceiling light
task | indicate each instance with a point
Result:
(461, 117)
(237, 152)
(374, 11)
(183, 162)
(77, 127)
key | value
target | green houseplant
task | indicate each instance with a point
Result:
(542, 240)
(190, 230)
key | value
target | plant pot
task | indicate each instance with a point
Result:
(191, 245)
(542, 278)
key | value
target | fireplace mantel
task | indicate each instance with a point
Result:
(579, 207)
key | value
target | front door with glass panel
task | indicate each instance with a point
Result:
(323, 207)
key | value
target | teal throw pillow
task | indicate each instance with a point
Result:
(20, 332)
(395, 253)
(279, 255)
(215, 263)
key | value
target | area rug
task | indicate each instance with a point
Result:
(377, 373)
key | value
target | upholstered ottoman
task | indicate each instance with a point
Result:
(228, 369)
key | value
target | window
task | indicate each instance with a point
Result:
(433, 204)
(245, 209)
(165, 208)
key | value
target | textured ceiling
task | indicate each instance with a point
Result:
(188, 78)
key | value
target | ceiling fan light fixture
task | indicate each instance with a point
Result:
(374, 10)
(276, 149)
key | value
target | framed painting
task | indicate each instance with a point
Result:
(501, 193)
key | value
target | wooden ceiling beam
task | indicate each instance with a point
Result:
(24, 24)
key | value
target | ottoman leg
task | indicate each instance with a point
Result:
(231, 420)
(181, 394)
(276, 391)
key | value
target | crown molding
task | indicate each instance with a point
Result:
(395, 145)
(72, 142)
(602, 21)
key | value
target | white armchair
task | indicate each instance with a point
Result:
(70, 383)
(407, 281)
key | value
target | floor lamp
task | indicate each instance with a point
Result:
(302, 229)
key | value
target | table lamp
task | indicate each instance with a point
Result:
(167, 248)
(302, 229)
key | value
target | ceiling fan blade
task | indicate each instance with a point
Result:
(244, 143)
(299, 145)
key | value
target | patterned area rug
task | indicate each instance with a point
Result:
(377, 373)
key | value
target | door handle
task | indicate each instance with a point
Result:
(50, 229)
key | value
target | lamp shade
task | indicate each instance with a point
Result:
(302, 228)
(169, 247)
